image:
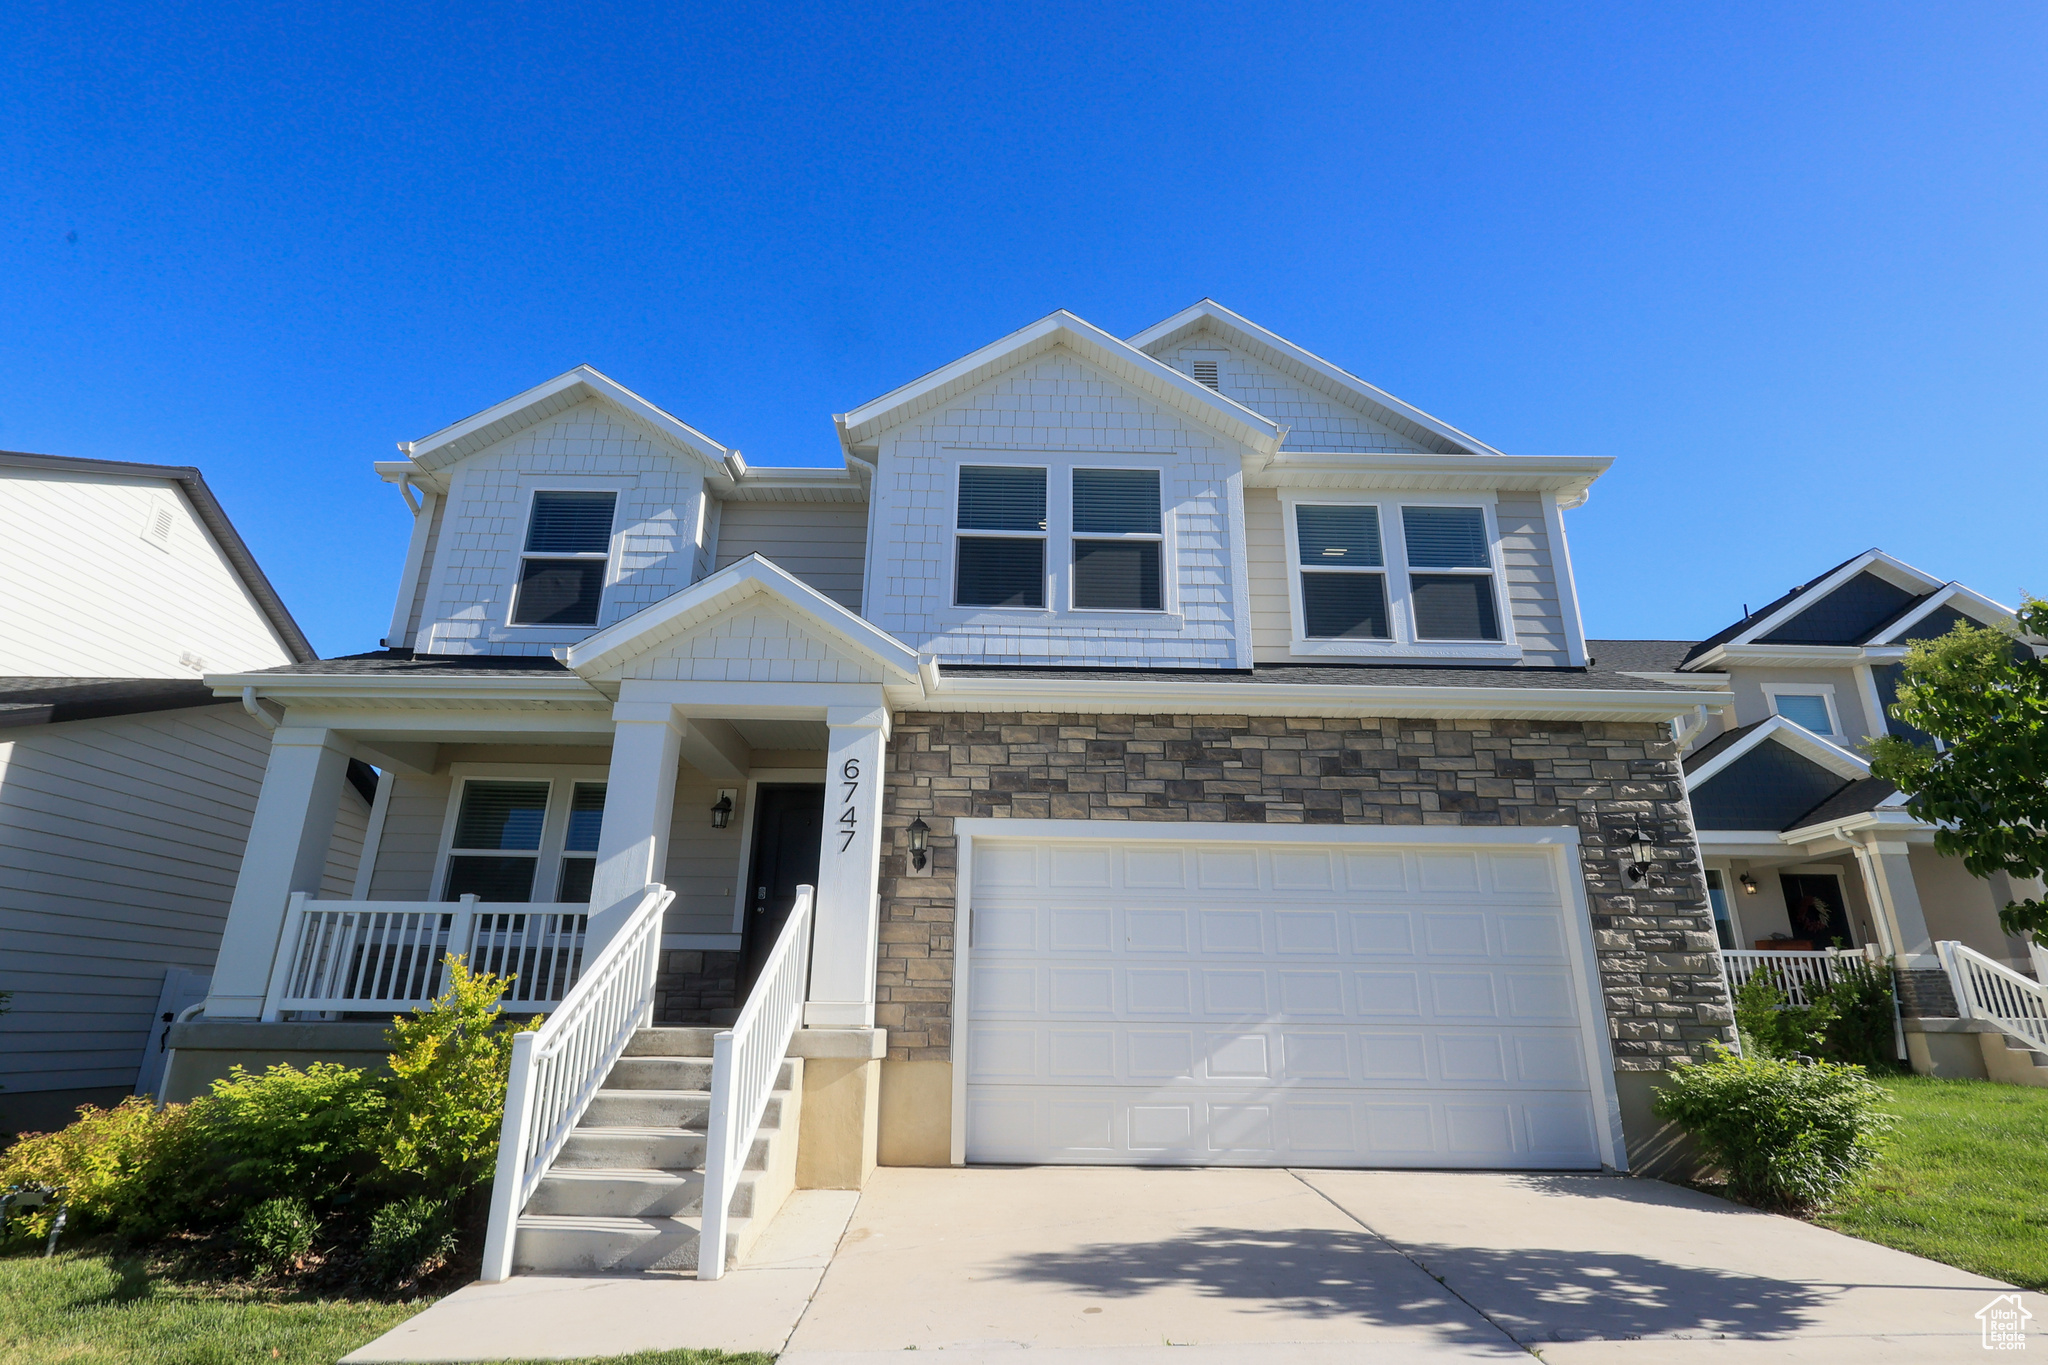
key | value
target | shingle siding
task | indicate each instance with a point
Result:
(1316, 421)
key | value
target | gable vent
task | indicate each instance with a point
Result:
(157, 529)
(1205, 373)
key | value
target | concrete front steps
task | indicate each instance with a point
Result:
(626, 1194)
(2016, 1062)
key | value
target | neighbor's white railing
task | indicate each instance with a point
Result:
(1795, 971)
(1989, 990)
(342, 956)
(744, 1062)
(559, 1066)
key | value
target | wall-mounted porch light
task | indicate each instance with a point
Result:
(721, 813)
(1638, 846)
(1748, 884)
(920, 840)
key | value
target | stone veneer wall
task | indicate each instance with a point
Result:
(1656, 945)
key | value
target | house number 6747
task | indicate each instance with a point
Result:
(849, 819)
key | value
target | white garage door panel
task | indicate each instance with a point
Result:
(1166, 1002)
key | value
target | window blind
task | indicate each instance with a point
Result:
(1116, 501)
(1000, 573)
(1445, 537)
(586, 818)
(1339, 537)
(1345, 606)
(1453, 606)
(998, 498)
(505, 815)
(571, 523)
(1116, 575)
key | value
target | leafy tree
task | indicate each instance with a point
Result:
(1983, 694)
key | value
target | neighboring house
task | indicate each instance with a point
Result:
(1804, 849)
(126, 785)
(1271, 809)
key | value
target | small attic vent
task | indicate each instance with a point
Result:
(1205, 373)
(157, 528)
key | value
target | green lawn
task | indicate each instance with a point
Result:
(101, 1310)
(1964, 1179)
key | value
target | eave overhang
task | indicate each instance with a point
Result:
(1566, 478)
(452, 443)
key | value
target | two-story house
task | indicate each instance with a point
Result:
(126, 785)
(1194, 749)
(1804, 849)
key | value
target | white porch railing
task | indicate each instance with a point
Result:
(1989, 990)
(744, 1063)
(386, 956)
(559, 1066)
(1794, 971)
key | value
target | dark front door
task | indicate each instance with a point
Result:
(1814, 904)
(788, 821)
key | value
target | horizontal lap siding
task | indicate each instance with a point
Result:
(824, 544)
(119, 844)
(411, 839)
(345, 851)
(703, 863)
(1265, 541)
(1532, 584)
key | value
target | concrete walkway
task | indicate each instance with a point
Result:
(1244, 1267)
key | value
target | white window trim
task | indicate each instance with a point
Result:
(527, 488)
(554, 830)
(1059, 530)
(1394, 551)
(1825, 691)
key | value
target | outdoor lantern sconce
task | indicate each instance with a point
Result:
(1749, 887)
(1638, 847)
(721, 814)
(920, 840)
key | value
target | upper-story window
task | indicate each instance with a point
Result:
(999, 555)
(1359, 589)
(1809, 706)
(1117, 540)
(562, 568)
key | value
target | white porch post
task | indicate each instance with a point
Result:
(849, 871)
(1899, 902)
(639, 801)
(286, 852)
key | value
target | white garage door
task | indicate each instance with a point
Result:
(1252, 1004)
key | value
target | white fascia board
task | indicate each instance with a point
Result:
(650, 627)
(1721, 657)
(1568, 477)
(1255, 338)
(1797, 738)
(1741, 843)
(763, 483)
(471, 434)
(1160, 381)
(284, 686)
(1134, 696)
(1766, 625)
(1951, 594)
(1885, 821)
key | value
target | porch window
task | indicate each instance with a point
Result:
(1450, 573)
(562, 568)
(1343, 572)
(1002, 563)
(579, 845)
(497, 840)
(1717, 896)
(1117, 540)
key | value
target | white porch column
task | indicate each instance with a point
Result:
(1899, 903)
(849, 871)
(639, 801)
(286, 852)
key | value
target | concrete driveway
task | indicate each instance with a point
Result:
(1202, 1267)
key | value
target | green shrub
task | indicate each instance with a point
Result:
(277, 1234)
(1787, 1135)
(129, 1169)
(1768, 1024)
(449, 1063)
(310, 1134)
(409, 1239)
(1848, 1020)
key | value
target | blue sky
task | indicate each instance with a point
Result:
(1783, 263)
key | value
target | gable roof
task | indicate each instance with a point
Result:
(542, 401)
(1776, 615)
(1711, 758)
(715, 594)
(1235, 330)
(211, 515)
(1153, 378)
